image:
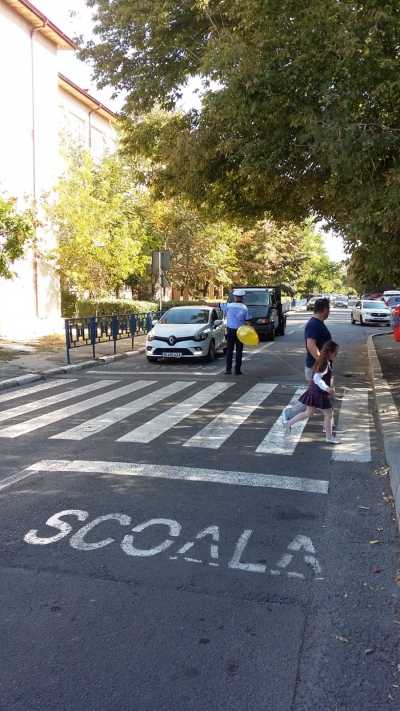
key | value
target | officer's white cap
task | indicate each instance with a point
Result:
(239, 292)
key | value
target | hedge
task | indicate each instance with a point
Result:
(107, 307)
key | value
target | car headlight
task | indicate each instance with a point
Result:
(150, 335)
(200, 336)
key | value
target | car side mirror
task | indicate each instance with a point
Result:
(218, 322)
(154, 321)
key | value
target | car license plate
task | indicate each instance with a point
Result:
(172, 355)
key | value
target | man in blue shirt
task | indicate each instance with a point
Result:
(316, 334)
(237, 314)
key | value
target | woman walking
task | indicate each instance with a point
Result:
(316, 396)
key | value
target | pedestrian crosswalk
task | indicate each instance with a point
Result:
(201, 417)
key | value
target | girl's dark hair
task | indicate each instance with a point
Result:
(323, 359)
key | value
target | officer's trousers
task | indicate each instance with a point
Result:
(232, 341)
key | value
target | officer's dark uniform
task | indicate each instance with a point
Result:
(237, 314)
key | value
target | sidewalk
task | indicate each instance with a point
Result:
(24, 368)
(384, 357)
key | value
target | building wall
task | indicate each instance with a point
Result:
(28, 165)
(76, 118)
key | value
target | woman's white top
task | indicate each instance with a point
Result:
(317, 378)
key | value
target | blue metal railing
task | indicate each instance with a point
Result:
(92, 330)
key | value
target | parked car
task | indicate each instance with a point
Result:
(341, 300)
(187, 332)
(268, 311)
(312, 300)
(370, 312)
(391, 299)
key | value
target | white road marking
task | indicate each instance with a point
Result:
(156, 372)
(52, 400)
(288, 333)
(353, 416)
(213, 435)
(157, 426)
(35, 389)
(275, 441)
(51, 417)
(100, 423)
(159, 471)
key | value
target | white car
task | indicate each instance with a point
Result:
(187, 332)
(370, 312)
(341, 300)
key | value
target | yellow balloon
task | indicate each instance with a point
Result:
(248, 336)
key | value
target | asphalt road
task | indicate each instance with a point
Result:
(194, 560)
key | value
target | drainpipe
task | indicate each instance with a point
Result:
(35, 254)
(92, 111)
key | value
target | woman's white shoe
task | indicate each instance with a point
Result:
(333, 440)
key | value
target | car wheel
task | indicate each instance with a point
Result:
(225, 350)
(352, 319)
(361, 321)
(271, 335)
(211, 353)
(152, 359)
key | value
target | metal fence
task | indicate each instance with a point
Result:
(93, 330)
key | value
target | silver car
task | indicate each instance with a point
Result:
(187, 332)
(341, 301)
(370, 312)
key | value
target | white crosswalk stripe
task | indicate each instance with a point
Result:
(51, 417)
(100, 423)
(6, 397)
(213, 435)
(52, 400)
(353, 415)
(275, 442)
(162, 423)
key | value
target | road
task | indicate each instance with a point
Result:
(163, 547)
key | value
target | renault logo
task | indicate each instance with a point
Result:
(172, 340)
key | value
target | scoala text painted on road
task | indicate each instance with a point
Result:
(300, 549)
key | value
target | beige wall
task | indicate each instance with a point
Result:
(21, 174)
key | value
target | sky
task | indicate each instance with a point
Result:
(81, 24)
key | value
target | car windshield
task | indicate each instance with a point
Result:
(180, 315)
(393, 300)
(253, 298)
(374, 305)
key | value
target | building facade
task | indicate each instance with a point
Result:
(37, 101)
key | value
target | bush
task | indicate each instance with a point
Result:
(68, 304)
(107, 307)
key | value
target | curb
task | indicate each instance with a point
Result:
(389, 422)
(65, 369)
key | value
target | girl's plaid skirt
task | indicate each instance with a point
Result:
(315, 397)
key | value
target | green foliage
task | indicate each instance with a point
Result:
(105, 307)
(68, 304)
(17, 231)
(96, 214)
(305, 118)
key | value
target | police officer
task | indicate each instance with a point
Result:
(237, 314)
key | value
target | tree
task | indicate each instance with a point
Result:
(305, 117)
(17, 231)
(95, 213)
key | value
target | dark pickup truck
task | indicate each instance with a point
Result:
(267, 310)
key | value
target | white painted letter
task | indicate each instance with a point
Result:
(62, 526)
(301, 542)
(209, 531)
(174, 530)
(240, 546)
(77, 540)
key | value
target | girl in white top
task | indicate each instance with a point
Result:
(316, 395)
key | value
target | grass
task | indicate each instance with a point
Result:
(53, 343)
(8, 355)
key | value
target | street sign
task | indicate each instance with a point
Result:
(165, 260)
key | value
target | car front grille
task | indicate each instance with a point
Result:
(379, 315)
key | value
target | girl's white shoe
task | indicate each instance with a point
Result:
(286, 431)
(333, 440)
